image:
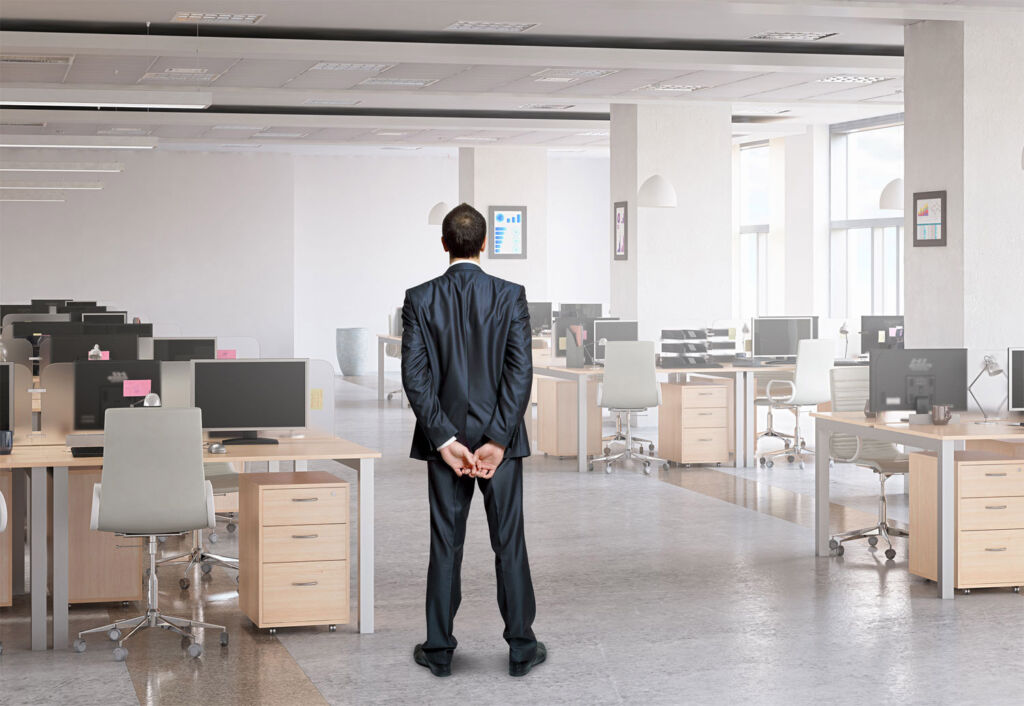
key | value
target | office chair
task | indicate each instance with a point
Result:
(630, 386)
(394, 350)
(152, 485)
(3, 528)
(808, 388)
(850, 387)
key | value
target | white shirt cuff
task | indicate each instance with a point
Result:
(447, 443)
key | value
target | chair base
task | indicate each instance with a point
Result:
(628, 440)
(882, 530)
(795, 445)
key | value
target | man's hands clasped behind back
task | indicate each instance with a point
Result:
(481, 464)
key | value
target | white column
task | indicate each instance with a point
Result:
(806, 222)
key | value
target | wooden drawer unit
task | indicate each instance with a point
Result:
(557, 418)
(294, 549)
(6, 545)
(695, 421)
(989, 528)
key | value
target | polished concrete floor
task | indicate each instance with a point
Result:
(697, 586)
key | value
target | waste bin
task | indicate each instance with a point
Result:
(353, 346)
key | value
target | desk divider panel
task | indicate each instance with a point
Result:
(321, 396)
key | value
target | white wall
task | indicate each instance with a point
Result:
(579, 228)
(201, 240)
(362, 239)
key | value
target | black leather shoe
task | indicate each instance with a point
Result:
(521, 669)
(438, 670)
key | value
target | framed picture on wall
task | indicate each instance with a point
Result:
(930, 219)
(508, 232)
(620, 230)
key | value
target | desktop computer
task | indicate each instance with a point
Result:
(104, 317)
(249, 396)
(1015, 383)
(581, 311)
(778, 337)
(6, 396)
(540, 316)
(101, 385)
(71, 348)
(613, 330)
(914, 379)
(184, 349)
(880, 332)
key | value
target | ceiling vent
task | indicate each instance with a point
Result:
(342, 66)
(217, 18)
(24, 59)
(861, 80)
(336, 102)
(399, 82)
(570, 75)
(793, 36)
(672, 87)
(480, 26)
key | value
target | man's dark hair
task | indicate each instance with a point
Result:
(463, 231)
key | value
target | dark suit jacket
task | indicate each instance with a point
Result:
(467, 361)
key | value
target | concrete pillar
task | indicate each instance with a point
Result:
(512, 176)
(806, 222)
(680, 260)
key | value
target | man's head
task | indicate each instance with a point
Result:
(463, 232)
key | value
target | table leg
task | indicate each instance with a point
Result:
(19, 511)
(301, 466)
(381, 343)
(366, 522)
(582, 385)
(750, 412)
(822, 478)
(739, 415)
(946, 528)
(60, 558)
(39, 559)
(273, 466)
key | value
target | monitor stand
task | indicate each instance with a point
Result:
(249, 437)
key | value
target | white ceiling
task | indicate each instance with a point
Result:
(282, 73)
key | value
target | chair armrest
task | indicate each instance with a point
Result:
(600, 394)
(211, 513)
(3, 513)
(856, 454)
(659, 394)
(94, 517)
(773, 383)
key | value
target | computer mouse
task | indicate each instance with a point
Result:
(218, 449)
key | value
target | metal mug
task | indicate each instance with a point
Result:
(941, 414)
(6, 442)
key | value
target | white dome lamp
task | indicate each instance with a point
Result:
(892, 196)
(656, 192)
(437, 213)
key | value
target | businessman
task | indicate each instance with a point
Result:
(467, 371)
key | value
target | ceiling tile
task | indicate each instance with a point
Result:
(98, 69)
(263, 73)
(804, 91)
(32, 73)
(874, 90)
(481, 78)
(757, 84)
(186, 71)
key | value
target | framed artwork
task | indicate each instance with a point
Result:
(620, 230)
(508, 232)
(930, 219)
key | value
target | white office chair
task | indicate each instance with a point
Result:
(152, 485)
(3, 528)
(394, 350)
(850, 390)
(808, 388)
(630, 386)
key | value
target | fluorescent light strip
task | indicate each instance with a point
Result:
(6, 200)
(482, 26)
(28, 145)
(78, 167)
(91, 98)
(52, 185)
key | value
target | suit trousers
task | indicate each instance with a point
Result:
(450, 498)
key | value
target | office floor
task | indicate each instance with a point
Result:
(698, 587)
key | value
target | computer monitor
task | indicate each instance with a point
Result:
(182, 349)
(914, 379)
(33, 330)
(50, 302)
(613, 330)
(6, 397)
(100, 385)
(779, 336)
(140, 330)
(104, 317)
(251, 395)
(880, 332)
(540, 316)
(74, 304)
(1015, 363)
(71, 348)
(580, 311)
(6, 309)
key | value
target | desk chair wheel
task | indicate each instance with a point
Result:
(213, 537)
(161, 539)
(1016, 589)
(967, 591)
(802, 466)
(224, 639)
(650, 447)
(873, 541)
(114, 634)
(647, 468)
(763, 461)
(890, 553)
(79, 645)
(120, 654)
(272, 631)
(607, 451)
(769, 463)
(184, 583)
(391, 396)
(232, 527)
(836, 547)
(194, 650)
(236, 578)
(332, 628)
(791, 458)
(206, 566)
(1, 648)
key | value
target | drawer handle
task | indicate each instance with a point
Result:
(305, 583)
(703, 414)
(703, 439)
(996, 475)
(995, 549)
(304, 500)
(305, 536)
(995, 507)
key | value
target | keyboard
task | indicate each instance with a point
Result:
(86, 451)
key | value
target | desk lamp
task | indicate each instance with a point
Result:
(845, 333)
(991, 366)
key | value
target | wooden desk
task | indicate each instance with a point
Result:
(38, 458)
(943, 440)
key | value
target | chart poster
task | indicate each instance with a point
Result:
(508, 232)
(930, 219)
(620, 246)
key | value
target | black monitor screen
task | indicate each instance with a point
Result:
(914, 379)
(580, 311)
(68, 349)
(93, 306)
(540, 315)
(1016, 374)
(179, 349)
(32, 330)
(613, 330)
(100, 385)
(141, 330)
(250, 394)
(880, 332)
(104, 317)
(780, 336)
(49, 302)
(6, 397)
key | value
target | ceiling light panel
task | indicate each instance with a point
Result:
(853, 79)
(28, 68)
(671, 88)
(397, 82)
(61, 167)
(485, 26)
(78, 143)
(130, 131)
(10, 186)
(331, 102)
(184, 70)
(364, 68)
(569, 75)
(218, 18)
(793, 36)
(546, 106)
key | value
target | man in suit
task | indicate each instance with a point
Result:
(467, 370)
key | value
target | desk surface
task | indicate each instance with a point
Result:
(966, 430)
(544, 362)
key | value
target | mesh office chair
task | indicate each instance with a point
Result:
(3, 528)
(152, 485)
(808, 388)
(630, 386)
(850, 387)
(394, 350)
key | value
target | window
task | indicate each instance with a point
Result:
(866, 248)
(754, 191)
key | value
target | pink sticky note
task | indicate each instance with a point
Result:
(137, 388)
(227, 354)
(104, 355)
